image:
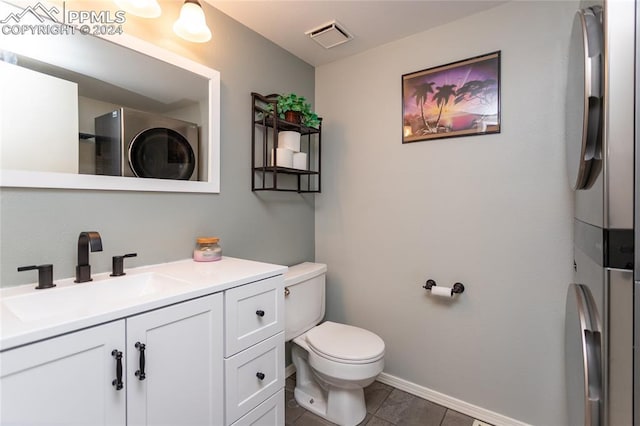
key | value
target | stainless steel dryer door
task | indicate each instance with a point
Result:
(583, 358)
(584, 99)
(161, 153)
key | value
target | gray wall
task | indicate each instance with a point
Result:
(493, 212)
(42, 226)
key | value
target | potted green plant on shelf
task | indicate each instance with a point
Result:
(296, 109)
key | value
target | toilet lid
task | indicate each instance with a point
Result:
(345, 343)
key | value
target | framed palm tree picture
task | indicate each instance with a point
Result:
(458, 99)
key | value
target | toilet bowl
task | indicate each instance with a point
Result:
(333, 361)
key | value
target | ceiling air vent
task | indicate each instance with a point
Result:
(330, 35)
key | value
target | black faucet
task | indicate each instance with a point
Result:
(86, 240)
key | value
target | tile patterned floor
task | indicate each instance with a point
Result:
(386, 406)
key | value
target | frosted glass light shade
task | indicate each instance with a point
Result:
(192, 25)
(142, 8)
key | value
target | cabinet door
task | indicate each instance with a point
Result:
(183, 364)
(65, 380)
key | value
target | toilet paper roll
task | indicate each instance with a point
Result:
(284, 157)
(300, 160)
(289, 140)
(440, 291)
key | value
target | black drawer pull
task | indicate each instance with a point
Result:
(117, 383)
(140, 374)
(260, 375)
(260, 313)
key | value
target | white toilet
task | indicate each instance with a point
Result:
(334, 362)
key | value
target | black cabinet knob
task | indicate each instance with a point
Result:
(260, 313)
(260, 375)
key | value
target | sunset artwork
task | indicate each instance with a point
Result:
(458, 99)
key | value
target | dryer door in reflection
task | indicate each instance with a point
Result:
(162, 153)
(583, 355)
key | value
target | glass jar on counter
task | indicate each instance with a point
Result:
(207, 249)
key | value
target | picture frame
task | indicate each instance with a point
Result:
(457, 99)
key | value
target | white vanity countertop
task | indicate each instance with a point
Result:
(28, 315)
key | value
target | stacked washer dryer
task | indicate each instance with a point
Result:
(600, 119)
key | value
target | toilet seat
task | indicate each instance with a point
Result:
(344, 343)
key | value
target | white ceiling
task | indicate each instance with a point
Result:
(372, 23)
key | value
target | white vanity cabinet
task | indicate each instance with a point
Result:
(191, 343)
(254, 353)
(72, 379)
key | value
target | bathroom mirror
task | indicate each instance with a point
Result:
(53, 87)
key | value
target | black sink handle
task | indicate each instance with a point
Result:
(117, 263)
(45, 275)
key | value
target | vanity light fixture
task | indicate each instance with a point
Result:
(142, 8)
(192, 25)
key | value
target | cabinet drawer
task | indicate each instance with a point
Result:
(269, 413)
(253, 312)
(252, 376)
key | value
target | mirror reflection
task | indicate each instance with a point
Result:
(82, 105)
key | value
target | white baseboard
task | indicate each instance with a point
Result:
(439, 398)
(449, 401)
(289, 370)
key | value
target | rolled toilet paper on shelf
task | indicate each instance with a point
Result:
(284, 157)
(289, 140)
(300, 160)
(440, 291)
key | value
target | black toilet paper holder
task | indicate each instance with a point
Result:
(456, 289)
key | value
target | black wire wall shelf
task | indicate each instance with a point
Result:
(265, 175)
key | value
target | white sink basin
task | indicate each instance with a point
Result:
(83, 299)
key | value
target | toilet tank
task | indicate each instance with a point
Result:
(304, 297)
